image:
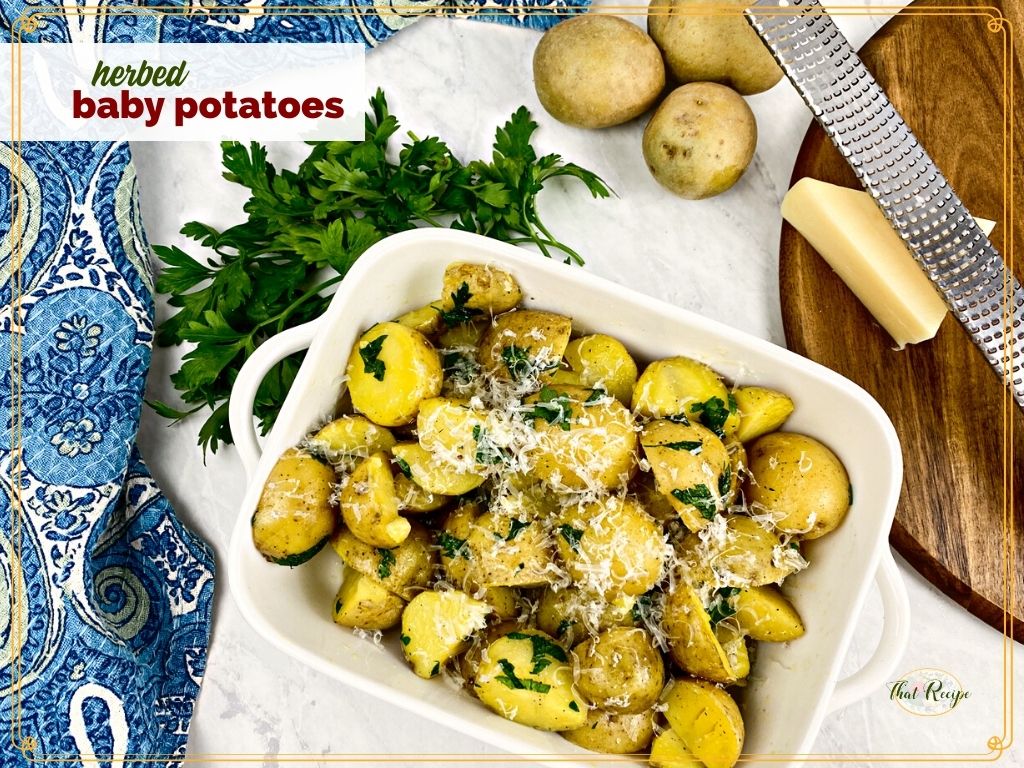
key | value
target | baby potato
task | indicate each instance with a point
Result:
(452, 538)
(611, 547)
(712, 47)
(614, 733)
(437, 626)
(426, 319)
(434, 475)
(700, 140)
(412, 499)
(654, 502)
(571, 615)
(391, 370)
(599, 361)
(693, 643)
(761, 411)
(524, 344)
(509, 548)
(707, 721)
(737, 470)
(669, 751)
(585, 440)
(692, 469)
(463, 336)
(294, 515)
(448, 428)
(686, 390)
(404, 570)
(744, 554)
(365, 604)
(469, 662)
(526, 677)
(350, 437)
(369, 505)
(480, 287)
(594, 71)
(620, 670)
(800, 480)
(765, 614)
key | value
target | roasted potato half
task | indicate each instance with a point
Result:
(480, 288)
(524, 344)
(707, 721)
(682, 388)
(405, 569)
(391, 370)
(599, 361)
(620, 670)
(526, 677)
(744, 554)
(761, 411)
(364, 603)
(433, 474)
(437, 626)
(764, 613)
(669, 751)
(349, 438)
(571, 615)
(693, 643)
(294, 515)
(614, 733)
(369, 504)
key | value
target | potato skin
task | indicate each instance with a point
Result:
(620, 670)
(614, 733)
(700, 140)
(404, 570)
(800, 478)
(491, 289)
(294, 515)
(596, 71)
(571, 615)
(409, 371)
(710, 47)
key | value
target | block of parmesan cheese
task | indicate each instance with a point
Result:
(849, 231)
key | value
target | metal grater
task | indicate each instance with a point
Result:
(894, 168)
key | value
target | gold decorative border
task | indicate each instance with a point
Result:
(29, 21)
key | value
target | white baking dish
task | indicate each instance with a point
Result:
(792, 686)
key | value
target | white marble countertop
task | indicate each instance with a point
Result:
(718, 257)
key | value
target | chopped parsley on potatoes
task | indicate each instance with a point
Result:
(586, 543)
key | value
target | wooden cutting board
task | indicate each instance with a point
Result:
(945, 75)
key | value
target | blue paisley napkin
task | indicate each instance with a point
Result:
(105, 597)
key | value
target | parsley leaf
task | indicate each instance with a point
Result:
(369, 354)
(571, 535)
(302, 229)
(700, 497)
(459, 314)
(452, 546)
(486, 451)
(403, 466)
(692, 446)
(563, 626)
(511, 680)
(595, 396)
(543, 650)
(725, 482)
(722, 604)
(387, 559)
(515, 527)
(713, 413)
(553, 407)
(459, 367)
(517, 361)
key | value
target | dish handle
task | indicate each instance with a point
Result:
(891, 645)
(243, 392)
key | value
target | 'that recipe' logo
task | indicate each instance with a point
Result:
(927, 692)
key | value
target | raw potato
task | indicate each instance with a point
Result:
(620, 670)
(716, 47)
(599, 361)
(294, 515)
(365, 604)
(350, 437)
(571, 615)
(707, 721)
(388, 379)
(746, 554)
(595, 71)
(524, 343)
(581, 445)
(692, 468)
(491, 289)
(669, 751)
(436, 626)
(683, 387)
(526, 677)
(413, 499)
(426, 320)
(432, 475)
(404, 570)
(761, 411)
(765, 614)
(614, 734)
(700, 140)
(611, 547)
(369, 505)
(693, 643)
(801, 481)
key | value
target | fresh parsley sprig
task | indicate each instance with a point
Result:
(267, 273)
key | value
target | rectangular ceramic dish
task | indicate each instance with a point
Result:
(792, 686)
